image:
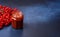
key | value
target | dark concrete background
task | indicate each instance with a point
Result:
(41, 18)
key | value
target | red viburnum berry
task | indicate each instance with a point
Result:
(0, 6)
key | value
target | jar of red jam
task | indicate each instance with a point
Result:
(17, 20)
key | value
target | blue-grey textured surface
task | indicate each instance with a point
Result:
(41, 18)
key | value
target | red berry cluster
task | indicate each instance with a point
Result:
(5, 15)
